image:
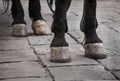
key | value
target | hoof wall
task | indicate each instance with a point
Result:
(40, 28)
(19, 30)
(95, 51)
(60, 55)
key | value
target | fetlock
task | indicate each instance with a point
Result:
(59, 40)
(91, 36)
(18, 21)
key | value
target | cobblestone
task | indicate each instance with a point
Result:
(27, 58)
(21, 69)
(16, 56)
(81, 73)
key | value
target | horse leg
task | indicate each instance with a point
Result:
(38, 23)
(19, 25)
(59, 46)
(93, 44)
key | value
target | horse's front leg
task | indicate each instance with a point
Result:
(93, 44)
(59, 46)
(39, 25)
(19, 25)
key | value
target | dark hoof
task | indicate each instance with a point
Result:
(19, 30)
(40, 27)
(95, 51)
(60, 55)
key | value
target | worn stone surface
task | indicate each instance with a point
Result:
(77, 60)
(117, 74)
(81, 73)
(5, 31)
(19, 63)
(100, 80)
(45, 49)
(112, 63)
(44, 40)
(21, 69)
(29, 79)
(14, 45)
(17, 55)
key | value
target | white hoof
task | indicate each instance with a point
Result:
(60, 55)
(95, 50)
(40, 27)
(19, 30)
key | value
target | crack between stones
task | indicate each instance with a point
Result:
(108, 70)
(41, 63)
(21, 77)
(73, 38)
(115, 76)
(74, 65)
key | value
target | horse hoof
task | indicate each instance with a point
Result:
(19, 30)
(60, 55)
(40, 27)
(95, 51)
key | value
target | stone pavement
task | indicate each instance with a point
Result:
(27, 58)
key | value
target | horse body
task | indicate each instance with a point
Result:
(59, 46)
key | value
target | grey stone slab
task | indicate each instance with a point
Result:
(29, 79)
(77, 34)
(6, 20)
(117, 74)
(77, 60)
(17, 55)
(81, 73)
(21, 69)
(45, 49)
(11, 38)
(73, 25)
(114, 25)
(100, 80)
(110, 40)
(14, 44)
(41, 40)
(5, 31)
(112, 63)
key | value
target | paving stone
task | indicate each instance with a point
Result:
(78, 35)
(5, 31)
(6, 20)
(14, 45)
(110, 40)
(17, 55)
(41, 40)
(45, 49)
(29, 79)
(21, 69)
(112, 63)
(73, 25)
(117, 74)
(114, 25)
(77, 60)
(11, 38)
(81, 73)
(100, 80)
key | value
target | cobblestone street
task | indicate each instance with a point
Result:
(27, 58)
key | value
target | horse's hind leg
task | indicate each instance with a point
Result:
(59, 46)
(19, 25)
(38, 23)
(93, 44)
